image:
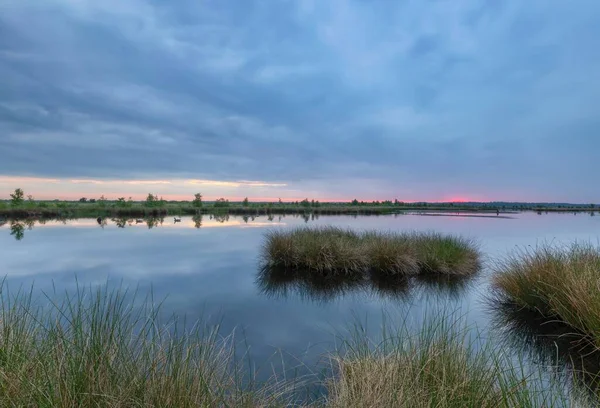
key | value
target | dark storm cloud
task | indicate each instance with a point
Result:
(495, 99)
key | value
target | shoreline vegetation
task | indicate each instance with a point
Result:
(444, 363)
(95, 348)
(332, 251)
(21, 206)
(561, 283)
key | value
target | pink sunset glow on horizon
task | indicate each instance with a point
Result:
(73, 189)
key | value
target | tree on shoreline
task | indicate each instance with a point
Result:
(221, 203)
(153, 201)
(16, 198)
(197, 200)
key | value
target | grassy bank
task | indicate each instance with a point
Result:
(68, 209)
(97, 349)
(560, 283)
(331, 250)
(137, 209)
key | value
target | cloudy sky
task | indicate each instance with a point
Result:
(326, 99)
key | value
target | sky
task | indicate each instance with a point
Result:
(433, 100)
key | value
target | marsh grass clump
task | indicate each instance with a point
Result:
(340, 251)
(439, 365)
(324, 250)
(95, 349)
(446, 254)
(560, 283)
(391, 254)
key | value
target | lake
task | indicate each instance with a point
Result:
(208, 268)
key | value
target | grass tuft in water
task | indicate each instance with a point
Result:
(344, 252)
(447, 254)
(559, 282)
(319, 249)
(441, 365)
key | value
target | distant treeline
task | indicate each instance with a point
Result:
(20, 205)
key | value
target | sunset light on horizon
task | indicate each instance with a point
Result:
(184, 189)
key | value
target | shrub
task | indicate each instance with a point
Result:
(197, 200)
(152, 200)
(16, 198)
(221, 203)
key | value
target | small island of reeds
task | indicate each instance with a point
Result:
(338, 251)
(560, 283)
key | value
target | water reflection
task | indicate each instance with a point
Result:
(569, 355)
(154, 221)
(197, 221)
(17, 230)
(223, 218)
(281, 283)
(392, 287)
(121, 222)
(17, 227)
(454, 286)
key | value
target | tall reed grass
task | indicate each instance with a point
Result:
(559, 282)
(441, 364)
(345, 252)
(101, 348)
(94, 349)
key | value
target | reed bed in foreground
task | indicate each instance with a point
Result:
(439, 365)
(561, 283)
(340, 251)
(96, 350)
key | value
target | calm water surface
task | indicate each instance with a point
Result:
(209, 269)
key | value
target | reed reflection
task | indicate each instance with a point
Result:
(570, 355)
(281, 283)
